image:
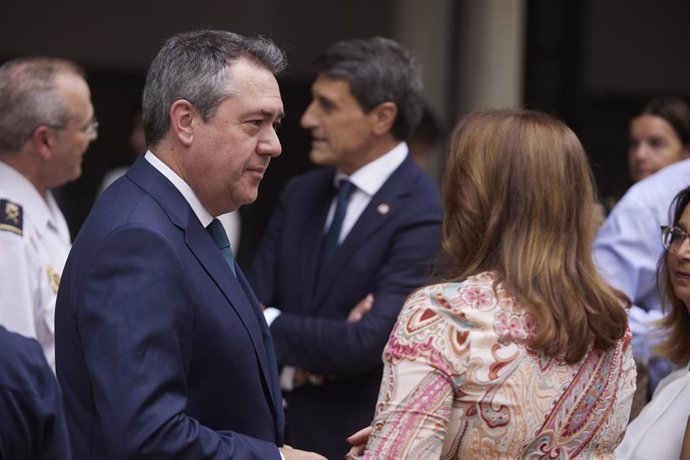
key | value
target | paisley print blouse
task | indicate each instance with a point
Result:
(459, 382)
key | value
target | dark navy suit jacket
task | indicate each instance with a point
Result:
(161, 351)
(32, 424)
(388, 253)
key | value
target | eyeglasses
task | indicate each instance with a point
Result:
(90, 129)
(672, 237)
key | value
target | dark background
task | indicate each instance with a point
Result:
(592, 63)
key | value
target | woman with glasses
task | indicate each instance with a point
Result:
(659, 429)
(521, 350)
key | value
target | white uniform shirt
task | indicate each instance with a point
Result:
(34, 243)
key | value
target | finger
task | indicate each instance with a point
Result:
(360, 437)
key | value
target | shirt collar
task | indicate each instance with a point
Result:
(201, 213)
(370, 177)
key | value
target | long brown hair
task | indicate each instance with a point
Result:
(519, 200)
(676, 324)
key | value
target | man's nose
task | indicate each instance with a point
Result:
(270, 144)
(308, 120)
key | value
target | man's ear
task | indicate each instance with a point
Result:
(183, 120)
(43, 139)
(384, 116)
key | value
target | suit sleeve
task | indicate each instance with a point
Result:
(335, 347)
(33, 423)
(136, 322)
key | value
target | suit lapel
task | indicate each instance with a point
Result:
(212, 260)
(384, 205)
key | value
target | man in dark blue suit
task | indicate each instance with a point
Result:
(367, 224)
(162, 350)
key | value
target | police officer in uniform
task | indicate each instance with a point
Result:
(46, 124)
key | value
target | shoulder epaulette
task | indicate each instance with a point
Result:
(11, 217)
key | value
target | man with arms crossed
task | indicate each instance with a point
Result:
(365, 102)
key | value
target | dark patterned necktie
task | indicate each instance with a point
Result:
(330, 241)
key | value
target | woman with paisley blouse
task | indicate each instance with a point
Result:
(522, 351)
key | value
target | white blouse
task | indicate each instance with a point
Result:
(658, 431)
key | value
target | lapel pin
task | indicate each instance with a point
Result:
(383, 209)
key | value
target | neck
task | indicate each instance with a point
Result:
(21, 163)
(377, 150)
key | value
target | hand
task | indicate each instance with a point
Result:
(361, 309)
(358, 441)
(295, 454)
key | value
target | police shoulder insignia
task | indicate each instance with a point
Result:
(11, 217)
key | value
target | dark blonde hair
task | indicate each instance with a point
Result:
(519, 199)
(676, 323)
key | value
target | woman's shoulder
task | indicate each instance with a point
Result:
(482, 279)
(481, 291)
(474, 302)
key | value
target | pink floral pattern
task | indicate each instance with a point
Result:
(460, 382)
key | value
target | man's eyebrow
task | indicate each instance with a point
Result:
(324, 100)
(267, 114)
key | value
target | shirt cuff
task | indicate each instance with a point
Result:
(287, 378)
(270, 314)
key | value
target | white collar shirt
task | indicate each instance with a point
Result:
(201, 213)
(367, 181)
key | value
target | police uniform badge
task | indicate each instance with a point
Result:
(11, 217)
(53, 278)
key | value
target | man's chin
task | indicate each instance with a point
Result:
(319, 157)
(248, 198)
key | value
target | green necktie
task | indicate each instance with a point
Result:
(217, 232)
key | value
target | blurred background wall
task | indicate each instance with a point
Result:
(591, 63)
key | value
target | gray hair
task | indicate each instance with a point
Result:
(29, 98)
(378, 70)
(194, 66)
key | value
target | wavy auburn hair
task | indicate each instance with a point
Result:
(519, 200)
(675, 325)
